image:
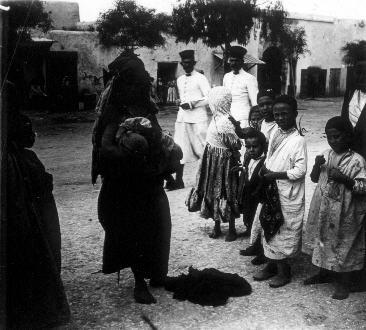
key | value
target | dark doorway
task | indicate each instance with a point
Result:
(166, 76)
(335, 82)
(61, 81)
(270, 74)
(313, 81)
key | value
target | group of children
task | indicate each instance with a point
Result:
(268, 188)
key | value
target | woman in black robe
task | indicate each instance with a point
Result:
(35, 293)
(133, 208)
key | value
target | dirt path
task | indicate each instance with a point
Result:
(97, 302)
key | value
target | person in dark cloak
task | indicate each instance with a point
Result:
(354, 110)
(35, 293)
(133, 208)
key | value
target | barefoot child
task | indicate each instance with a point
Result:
(334, 232)
(265, 99)
(216, 184)
(286, 164)
(255, 143)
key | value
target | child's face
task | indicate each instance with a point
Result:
(337, 140)
(265, 107)
(284, 116)
(253, 148)
(255, 117)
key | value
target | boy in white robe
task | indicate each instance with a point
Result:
(286, 163)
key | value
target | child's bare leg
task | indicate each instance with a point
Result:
(248, 227)
(283, 276)
(323, 276)
(231, 235)
(216, 232)
(341, 286)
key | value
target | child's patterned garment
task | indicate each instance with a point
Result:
(334, 232)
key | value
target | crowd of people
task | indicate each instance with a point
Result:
(270, 190)
(252, 164)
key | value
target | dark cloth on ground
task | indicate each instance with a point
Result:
(207, 287)
(35, 293)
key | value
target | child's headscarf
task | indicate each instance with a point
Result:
(219, 100)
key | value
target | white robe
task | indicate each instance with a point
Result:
(191, 124)
(244, 89)
(290, 157)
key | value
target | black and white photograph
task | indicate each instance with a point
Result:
(183, 164)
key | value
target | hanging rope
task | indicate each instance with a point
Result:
(16, 46)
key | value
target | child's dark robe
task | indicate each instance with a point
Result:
(249, 193)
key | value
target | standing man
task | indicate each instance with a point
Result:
(243, 86)
(193, 118)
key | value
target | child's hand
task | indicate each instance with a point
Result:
(319, 160)
(263, 170)
(336, 175)
(233, 121)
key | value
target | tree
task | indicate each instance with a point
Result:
(219, 22)
(216, 22)
(353, 51)
(23, 17)
(292, 42)
(129, 26)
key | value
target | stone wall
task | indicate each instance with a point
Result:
(93, 58)
(325, 38)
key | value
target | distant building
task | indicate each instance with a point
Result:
(325, 37)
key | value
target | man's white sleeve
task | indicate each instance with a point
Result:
(253, 91)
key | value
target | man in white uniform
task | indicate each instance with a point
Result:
(243, 86)
(193, 118)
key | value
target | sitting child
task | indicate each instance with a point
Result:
(216, 185)
(335, 233)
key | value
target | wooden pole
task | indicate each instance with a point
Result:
(3, 134)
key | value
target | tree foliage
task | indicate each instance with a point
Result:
(129, 26)
(273, 22)
(293, 42)
(353, 51)
(215, 22)
(24, 16)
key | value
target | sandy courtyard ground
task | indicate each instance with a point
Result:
(97, 302)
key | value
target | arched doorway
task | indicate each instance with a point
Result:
(270, 74)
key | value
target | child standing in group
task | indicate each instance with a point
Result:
(216, 185)
(255, 118)
(265, 99)
(255, 144)
(335, 232)
(286, 164)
